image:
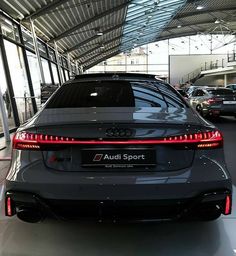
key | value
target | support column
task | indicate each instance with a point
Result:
(4, 119)
(225, 80)
(42, 78)
(76, 68)
(81, 70)
(147, 58)
(58, 62)
(126, 62)
(9, 82)
(69, 64)
(27, 69)
(50, 65)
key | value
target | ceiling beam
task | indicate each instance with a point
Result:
(100, 53)
(88, 21)
(45, 9)
(184, 25)
(204, 11)
(93, 38)
(96, 47)
(102, 59)
(174, 35)
(107, 42)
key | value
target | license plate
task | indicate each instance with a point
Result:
(229, 102)
(123, 158)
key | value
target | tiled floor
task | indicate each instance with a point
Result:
(87, 239)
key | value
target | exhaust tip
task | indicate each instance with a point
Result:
(30, 215)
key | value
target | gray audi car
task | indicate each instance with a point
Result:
(214, 101)
(117, 147)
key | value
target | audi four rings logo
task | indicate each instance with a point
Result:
(118, 132)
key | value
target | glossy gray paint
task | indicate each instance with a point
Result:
(179, 174)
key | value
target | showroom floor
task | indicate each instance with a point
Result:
(164, 238)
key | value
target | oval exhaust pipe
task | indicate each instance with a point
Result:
(30, 215)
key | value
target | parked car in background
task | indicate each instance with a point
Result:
(117, 146)
(214, 101)
(232, 87)
(194, 87)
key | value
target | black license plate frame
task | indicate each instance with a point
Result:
(118, 158)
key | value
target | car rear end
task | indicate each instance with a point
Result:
(221, 101)
(117, 148)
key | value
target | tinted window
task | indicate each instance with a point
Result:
(198, 93)
(115, 94)
(221, 92)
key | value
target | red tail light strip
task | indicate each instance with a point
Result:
(8, 207)
(228, 205)
(212, 101)
(25, 140)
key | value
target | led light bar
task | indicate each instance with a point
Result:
(33, 141)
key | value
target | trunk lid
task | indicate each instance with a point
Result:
(118, 124)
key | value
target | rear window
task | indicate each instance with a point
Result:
(220, 92)
(115, 94)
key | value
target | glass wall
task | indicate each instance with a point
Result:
(6, 97)
(55, 73)
(23, 66)
(19, 81)
(46, 71)
(35, 76)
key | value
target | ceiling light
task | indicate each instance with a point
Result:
(217, 21)
(179, 26)
(99, 33)
(200, 7)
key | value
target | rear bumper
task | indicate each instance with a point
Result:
(228, 111)
(168, 209)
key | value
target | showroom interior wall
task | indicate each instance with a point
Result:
(155, 58)
(182, 65)
(20, 81)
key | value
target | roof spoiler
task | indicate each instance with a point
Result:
(117, 75)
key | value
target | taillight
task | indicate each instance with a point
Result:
(32, 141)
(212, 101)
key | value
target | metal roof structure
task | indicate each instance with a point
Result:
(94, 30)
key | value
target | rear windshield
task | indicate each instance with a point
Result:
(115, 94)
(221, 92)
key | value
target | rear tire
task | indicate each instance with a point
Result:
(199, 110)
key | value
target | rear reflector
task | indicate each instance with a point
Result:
(228, 205)
(9, 211)
(32, 141)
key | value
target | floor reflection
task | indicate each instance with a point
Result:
(73, 238)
